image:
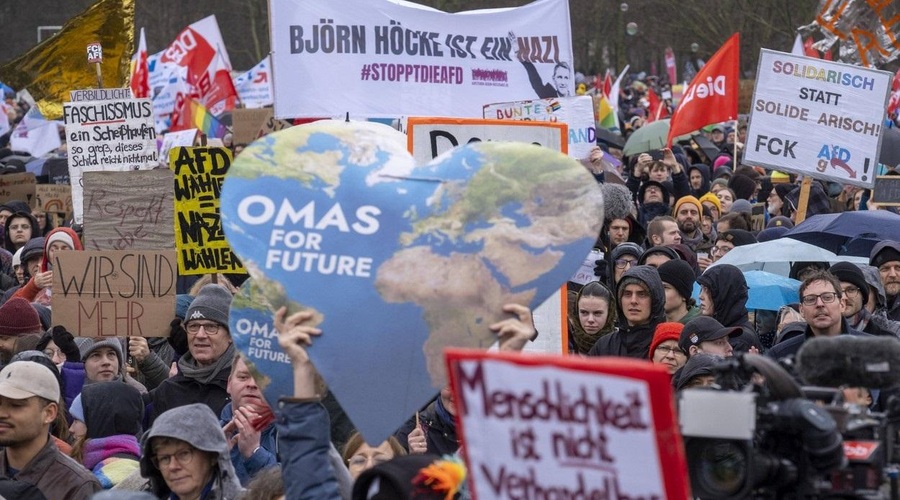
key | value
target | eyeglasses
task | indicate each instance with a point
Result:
(52, 352)
(23, 227)
(851, 291)
(811, 300)
(195, 326)
(358, 461)
(183, 457)
(664, 350)
(720, 250)
(623, 263)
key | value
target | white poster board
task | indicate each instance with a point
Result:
(393, 59)
(576, 112)
(111, 135)
(817, 118)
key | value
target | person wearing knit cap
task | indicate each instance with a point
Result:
(819, 202)
(744, 187)
(17, 319)
(698, 371)
(856, 295)
(678, 281)
(103, 361)
(38, 287)
(711, 202)
(885, 257)
(18, 268)
(688, 212)
(741, 206)
(203, 371)
(656, 256)
(779, 177)
(664, 347)
(723, 296)
(775, 201)
(771, 233)
(730, 239)
(780, 221)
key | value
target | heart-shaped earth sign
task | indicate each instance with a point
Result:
(399, 261)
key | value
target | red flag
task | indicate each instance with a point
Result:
(657, 109)
(607, 84)
(809, 50)
(140, 70)
(712, 95)
(894, 103)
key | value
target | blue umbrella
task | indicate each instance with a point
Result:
(848, 233)
(768, 291)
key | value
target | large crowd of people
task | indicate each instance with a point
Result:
(182, 417)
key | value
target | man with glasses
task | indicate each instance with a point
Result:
(822, 307)
(203, 371)
(728, 240)
(623, 257)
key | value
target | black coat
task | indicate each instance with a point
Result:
(634, 341)
(180, 391)
(728, 288)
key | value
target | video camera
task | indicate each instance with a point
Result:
(753, 440)
(762, 435)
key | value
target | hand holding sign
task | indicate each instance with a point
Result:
(397, 261)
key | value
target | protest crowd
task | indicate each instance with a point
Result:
(183, 414)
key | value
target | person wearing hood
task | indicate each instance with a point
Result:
(657, 256)
(641, 307)
(723, 295)
(818, 202)
(699, 177)
(860, 298)
(189, 462)
(621, 259)
(20, 227)
(594, 316)
(885, 256)
(698, 371)
(38, 288)
(654, 197)
(112, 413)
(203, 371)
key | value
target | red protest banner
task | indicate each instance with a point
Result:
(583, 429)
(712, 95)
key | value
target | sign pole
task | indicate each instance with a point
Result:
(804, 200)
(95, 57)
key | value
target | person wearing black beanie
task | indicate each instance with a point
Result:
(678, 281)
(744, 187)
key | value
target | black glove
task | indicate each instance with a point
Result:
(178, 337)
(601, 270)
(66, 343)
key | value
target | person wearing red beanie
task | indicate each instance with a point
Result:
(17, 318)
(664, 348)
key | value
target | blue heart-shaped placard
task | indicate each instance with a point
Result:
(399, 261)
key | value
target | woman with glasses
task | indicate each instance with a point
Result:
(189, 462)
(664, 349)
(359, 456)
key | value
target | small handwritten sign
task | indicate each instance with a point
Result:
(53, 198)
(114, 293)
(887, 190)
(582, 429)
(129, 210)
(17, 187)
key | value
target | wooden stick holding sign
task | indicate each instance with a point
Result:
(95, 57)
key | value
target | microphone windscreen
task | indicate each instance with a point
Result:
(851, 360)
(617, 202)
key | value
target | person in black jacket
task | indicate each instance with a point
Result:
(203, 371)
(723, 295)
(641, 307)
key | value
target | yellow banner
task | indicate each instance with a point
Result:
(199, 238)
(59, 64)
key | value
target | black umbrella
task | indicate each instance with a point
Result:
(848, 233)
(707, 147)
(611, 138)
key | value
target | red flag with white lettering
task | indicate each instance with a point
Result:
(712, 95)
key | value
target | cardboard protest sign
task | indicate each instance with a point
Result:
(431, 252)
(17, 187)
(428, 138)
(576, 112)
(114, 293)
(199, 239)
(182, 138)
(817, 118)
(398, 59)
(129, 210)
(108, 135)
(248, 122)
(272, 124)
(573, 426)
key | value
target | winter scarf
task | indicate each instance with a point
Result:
(112, 459)
(204, 374)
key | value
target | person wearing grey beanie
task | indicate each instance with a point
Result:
(203, 371)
